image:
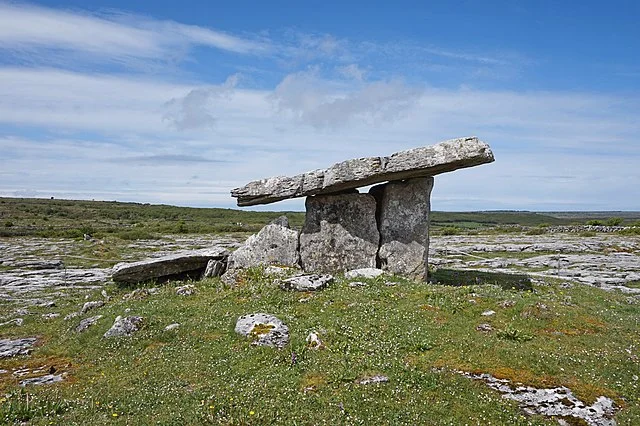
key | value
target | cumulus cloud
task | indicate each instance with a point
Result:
(192, 110)
(325, 104)
(352, 71)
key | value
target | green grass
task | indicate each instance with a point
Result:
(128, 221)
(416, 334)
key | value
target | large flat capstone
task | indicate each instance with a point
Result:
(166, 267)
(418, 162)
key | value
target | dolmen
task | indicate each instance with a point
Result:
(386, 228)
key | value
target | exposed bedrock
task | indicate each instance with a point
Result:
(403, 222)
(356, 173)
(339, 233)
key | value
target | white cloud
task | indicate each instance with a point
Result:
(325, 104)
(192, 110)
(352, 71)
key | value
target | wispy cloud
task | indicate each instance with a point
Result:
(165, 159)
(28, 29)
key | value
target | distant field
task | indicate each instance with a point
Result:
(69, 218)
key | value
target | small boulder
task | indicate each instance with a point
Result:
(186, 290)
(124, 326)
(172, 327)
(15, 321)
(313, 341)
(364, 273)
(378, 378)
(484, 327)
(488, 313)
(50, 315)
(356, 284)
(263, 329)
(507, 303)
(310, 282)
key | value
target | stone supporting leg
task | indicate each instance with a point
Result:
(339, 233)
(403, 222)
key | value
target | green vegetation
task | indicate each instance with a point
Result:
(128, 221)
(494, 218)
(418, 335)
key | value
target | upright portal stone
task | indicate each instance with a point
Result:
(403, 221)
(339, 233)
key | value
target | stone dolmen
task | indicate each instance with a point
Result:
(386, 228)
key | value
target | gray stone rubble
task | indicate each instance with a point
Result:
(556, 402)
(9, 347)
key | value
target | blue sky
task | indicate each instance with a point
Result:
(179, 102)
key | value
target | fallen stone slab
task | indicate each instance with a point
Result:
(426, 161)
(9, 348)
(311, 282)
(264, 329)
(187, 264)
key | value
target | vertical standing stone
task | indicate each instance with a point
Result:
(403, 222)
(339, 233)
